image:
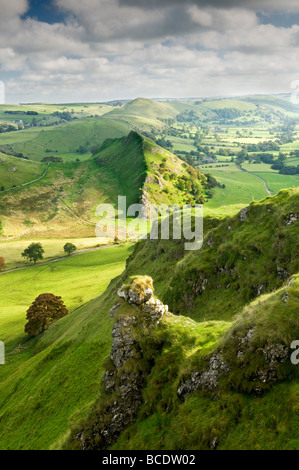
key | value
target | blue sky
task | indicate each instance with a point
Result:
(99, 50)
(44, 11)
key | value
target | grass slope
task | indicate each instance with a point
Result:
(50, 378)
(63, 366)
(64, 140)
(16, 171)
(67, 197)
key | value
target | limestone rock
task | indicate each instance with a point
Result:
(291, 219)
(243, 214)
(207, 380)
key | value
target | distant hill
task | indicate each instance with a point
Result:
(146, 108)
(66, 198)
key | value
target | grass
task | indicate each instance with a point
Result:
(41, 383)
(25, 171)
(65, 200)
(228, 419)
(72, 278)
(11, 250)
(240, 187)
(79, 342)
(51, 382)
(64, 140)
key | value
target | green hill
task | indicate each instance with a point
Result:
(69, 141)
(67, 197)
(146, 108)
(223, 377)
(16, 171)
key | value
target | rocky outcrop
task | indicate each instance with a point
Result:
(266, 374)
(137, 309)
(274, 355)
(291, 219)
(243, 214)
(207, 380)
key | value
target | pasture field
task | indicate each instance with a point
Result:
(240, 187)
(16, 171)
(65, 140)
(277, 182)
(77, 279)
(11, 250)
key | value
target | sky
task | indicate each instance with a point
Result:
(101, 50)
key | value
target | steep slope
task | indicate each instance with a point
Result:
(67, 197)
(167, 373)
(225, 381)
(244, 256)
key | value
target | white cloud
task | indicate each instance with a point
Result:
(105, 51)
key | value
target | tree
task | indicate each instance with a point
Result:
(34, 252)
(69, 248)
(2, 264)
(45, 310)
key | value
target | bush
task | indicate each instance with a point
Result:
(45, 310)
(69, 248)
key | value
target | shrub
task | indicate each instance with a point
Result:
(69, 248)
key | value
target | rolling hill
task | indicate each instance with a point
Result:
(67, 197)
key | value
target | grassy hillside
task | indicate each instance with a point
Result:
(253, 404)
(63, 141)
(246, 255)
(16, 171)
(148, 109)
(230, 417)
(67, 197)
(235, 273)
(55, 358)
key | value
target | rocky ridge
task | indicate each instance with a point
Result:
(137, 308)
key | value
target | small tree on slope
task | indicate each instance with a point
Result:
(45, 310)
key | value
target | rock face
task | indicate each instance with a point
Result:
(207, 380)
(263, 377)
(274, 355)
(121, 381)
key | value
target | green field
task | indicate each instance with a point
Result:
(11, 250)
(16, 171)
(63, 141)
(77, 279)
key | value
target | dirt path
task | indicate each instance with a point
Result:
(29, 182)
(88, 250)
(254, 174)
